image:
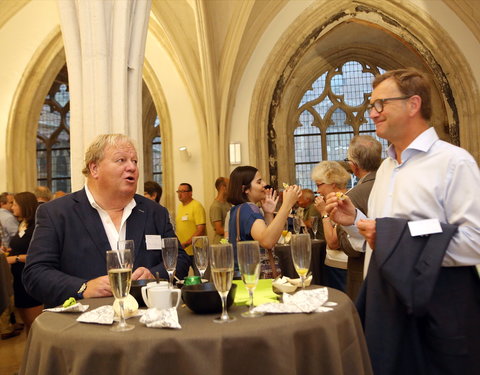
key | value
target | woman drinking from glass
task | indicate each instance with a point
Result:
(24, 207)
(246, 191)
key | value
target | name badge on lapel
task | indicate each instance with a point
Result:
(153, 242)
(424, 227)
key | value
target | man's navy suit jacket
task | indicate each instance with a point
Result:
(69, 245)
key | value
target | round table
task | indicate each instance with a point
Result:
(319, 343)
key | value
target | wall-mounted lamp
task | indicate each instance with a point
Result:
(184, 153)
(235, 153)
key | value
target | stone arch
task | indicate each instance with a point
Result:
(29, 97)
(155, 102)
(410, 32)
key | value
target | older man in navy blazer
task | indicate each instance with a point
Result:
(66, 257)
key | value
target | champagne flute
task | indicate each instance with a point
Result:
(314, 226)
(119, 267)
(285, 231)
(249, 263)
(221, 262)
(170, 255)
(200, 252)
(297, 224)
(301, 248)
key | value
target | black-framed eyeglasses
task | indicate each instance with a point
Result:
(183, 191)
(378, 104)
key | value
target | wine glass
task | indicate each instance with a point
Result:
(249, 263)
(285, 231)
(200, 252)
(221, 262)
(314, 226)
(301, 254)
(119, 267)
(297, 224)
(170, 255)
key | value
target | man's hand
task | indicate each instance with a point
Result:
(368, 229)
(142, 273)
(99, 287)
(341, 211)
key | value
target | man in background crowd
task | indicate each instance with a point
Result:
(219, 209)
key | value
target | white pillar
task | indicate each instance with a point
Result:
(105, 47)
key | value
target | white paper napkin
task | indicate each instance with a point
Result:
(304, 301)
(100, 315)
(166, 318)
(78, 307)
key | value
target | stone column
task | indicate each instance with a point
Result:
(105, 47)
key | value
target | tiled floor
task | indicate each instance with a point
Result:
(11, 353)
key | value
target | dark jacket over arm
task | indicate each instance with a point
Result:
(69, 245)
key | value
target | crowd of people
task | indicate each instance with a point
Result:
(56, 250)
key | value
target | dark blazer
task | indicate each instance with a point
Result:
(401, 278)
(69, 244)
(359, 196)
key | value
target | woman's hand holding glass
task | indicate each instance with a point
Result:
(249, 263)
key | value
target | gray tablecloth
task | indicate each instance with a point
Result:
(320, 343)
(316, 266)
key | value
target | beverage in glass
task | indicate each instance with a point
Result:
(314, 226)
(119, 267)
(301, 248)
(249, 263)
(221, 263)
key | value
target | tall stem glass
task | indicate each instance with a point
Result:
(119, 267)
(200, 253)
(170, 255)
(221, 263)
(297, 224)
(315, 226)
(249, 263)
(301, 247)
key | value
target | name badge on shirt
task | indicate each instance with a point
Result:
(185, 218)
(424, 227)
(154, 242)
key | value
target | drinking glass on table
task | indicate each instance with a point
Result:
(170, 255)
(221, 264)
(314, 226)
(119, 267)
(249, 263)
(200, 253)
(297, 224)
(301, 247)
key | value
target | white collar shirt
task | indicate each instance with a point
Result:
(111, 231)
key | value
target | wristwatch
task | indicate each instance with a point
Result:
(326, 216)
(81, 290)
(17, 259)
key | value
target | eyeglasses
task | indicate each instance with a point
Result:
(380, 103)
(183, 191)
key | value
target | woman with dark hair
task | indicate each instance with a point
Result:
(245, 190)
(24, 207)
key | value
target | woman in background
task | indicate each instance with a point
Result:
(247, 189)
(24, 207)
(330, 176)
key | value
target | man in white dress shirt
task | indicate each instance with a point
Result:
(426, 178)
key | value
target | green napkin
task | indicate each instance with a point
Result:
(263, 293)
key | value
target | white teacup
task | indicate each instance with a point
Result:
(162, 284)
(160, 297)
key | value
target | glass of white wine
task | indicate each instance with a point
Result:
(200, 252)
(170, 255)
(119, 267)
(221, 263)
(249, 263)
(301, 247)
(297, 224)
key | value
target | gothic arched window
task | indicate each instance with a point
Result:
(53, 137)
(330, 113)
